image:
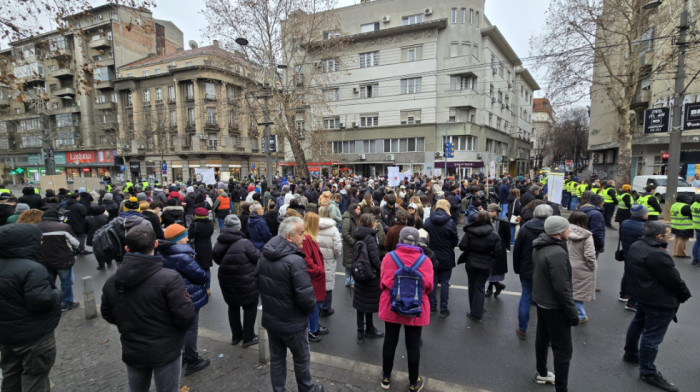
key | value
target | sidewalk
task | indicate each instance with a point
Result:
(89, 359)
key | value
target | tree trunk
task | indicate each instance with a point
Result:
(624, 156)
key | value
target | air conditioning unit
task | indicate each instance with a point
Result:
(362, 157)
(202, 137)
(389, 157)
(355, 90)
(141, 147)
(355, 125)
(428, 11)
(478, 155)
(597, 158)
(386, 19)
(342, 125)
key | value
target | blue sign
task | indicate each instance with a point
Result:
(253, 166)
(164, 166)
(122, 167)
(165, 172)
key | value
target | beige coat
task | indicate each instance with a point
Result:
(583, 263)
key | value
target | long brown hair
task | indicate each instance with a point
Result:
(579, 218)
(366, 220)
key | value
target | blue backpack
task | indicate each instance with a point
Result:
(407, 292)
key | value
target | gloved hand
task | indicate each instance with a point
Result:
(574, 321)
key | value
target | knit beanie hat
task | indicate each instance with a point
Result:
(132, 204)
(108, 197)
(141, 197)
(596, 200)
(626, 188)
(555, 225)
(638, 211)
(251, 188)
(81, 189)
(201, 211)
(409, 236)
(50, 214)
(175, 232)
(232, 221)
(21, 207)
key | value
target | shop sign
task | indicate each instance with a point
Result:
(86, 169)
(134, 166)
(35, 159)
(78, 157)
(656, 120)
(106, 156)
(59, 158)
(691, 116)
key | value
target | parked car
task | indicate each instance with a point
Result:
(640, 182)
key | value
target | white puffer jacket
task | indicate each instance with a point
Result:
(331, 245)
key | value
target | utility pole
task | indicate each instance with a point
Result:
(267, 122)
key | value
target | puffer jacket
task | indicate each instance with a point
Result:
(58, 244)
(522, 250)
(31, 305)
(331, 245)
(126, 221)
(408, 255)
(112, 208)
(258, 231)
(237, 258)
(630, 232)
(347, 229)
(200, 232)
(314, 264)
(366, 294)
(180, 257)
(551, 277)
(596, 225)
(583, 263)
(480, 246)
(76, 216)
(272, 222)
(285, 287)
(443, 237)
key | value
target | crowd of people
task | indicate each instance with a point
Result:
(279, 243)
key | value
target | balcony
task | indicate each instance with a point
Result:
(103, 61)
(101, 43)
(641, 99)
(104, 84)
(4, 102)
(106, 106)
(63, 91)
(62, 73)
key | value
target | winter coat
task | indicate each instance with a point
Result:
(480, 246)
(583, 263)
(146, 302)
(58, 244)
(331, 245)
(96, 219)
(388, 217)
(596, 225)
(381, 237)
(408, 255)
(112, 208)
(526, 198)
(244, 217)
(6, 210)
(272, 223)
(31, 304)
(33, 201)
(180, 257)
(155, 222)
(172, 214)
(503, 192)
(258, 232)
(335, 213)
(199, 233)
(522, 250)
(651, 277)
(285, 287)
(126, 221)
(630, 232)
(514, 208)
(76, 216)
(551, 277)
(237, 259)
(314, 264)
(443, 237)
(366, 294)
(454, 205)
(347, 231)
(471, 214)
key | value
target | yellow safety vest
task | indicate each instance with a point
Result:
(574, 188)
(678, 221)
(695, 210)
(644, 200)
(582, 188)
(621, 201)
(5, 191)
(606, 197)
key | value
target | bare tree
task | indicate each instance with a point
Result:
(292, 34)
(608, 39)
(569, 137)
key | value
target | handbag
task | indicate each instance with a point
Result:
(619, 255)
(513, 218)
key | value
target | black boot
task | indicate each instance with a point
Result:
(360, 336)
(489, 290)
(499, 287)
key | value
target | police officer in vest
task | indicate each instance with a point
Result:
(695, 211)
(648, 199)
(624, 203)
(566, 194)
(681, 225)
(582, 188)
(4, 189)
(607, 190)
(573, 188)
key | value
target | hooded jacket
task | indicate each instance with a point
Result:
(596, 225)
(200, 232)
(258, 231)
(443, 237)
(314, 264)
(31, 305)
(551, 277)
(285, 287)
(237, 258)
(408, 255)
(583, 263)
(180, 257)
(148, 305)
(58, 243)
(331, 245)
(522, 250)
(366, 294)
(480, 246)
(76, 216)
(96, 218)
(172, 214)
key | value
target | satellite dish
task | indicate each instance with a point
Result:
(193, 44)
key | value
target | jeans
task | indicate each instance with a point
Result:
(524, 306)
(26, 367)
(696, 247)
(221, 223)
(298, 344)
(574, 203)
(349, 280)
(512, 233)
(327, 303)
(66, 276)
(247, 332)
(553, 327)
(191, 339)
(365, 322)
(166, 377)
(477, 279)
(504, 210)
(313, 317)
(391, 340)
(580, 309)
(650, 324)
(441, 276)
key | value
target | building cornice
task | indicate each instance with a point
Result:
(502, 44)
(438, 24)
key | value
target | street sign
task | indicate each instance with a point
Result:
(164, 167)
(656, 120)
(253, 166)
(165, 172)
(122, 167)
(569, 163)
(273, 143)
(691, 116)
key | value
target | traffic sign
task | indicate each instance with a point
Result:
(164, 166)
(691, 116)
(253, 166)
(569, 163)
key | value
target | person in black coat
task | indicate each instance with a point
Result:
(172, 213)
(366, 295)
(442, 231)
(96, 218)
(153, 216)
(200, 232)
(270, 217)
(532, 194)
(500, 263)
(77, 212)
(238, 258)
(30, 198)
(480, 247)
(110, 205)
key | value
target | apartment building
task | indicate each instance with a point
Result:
(187, 110)
(414, 75)
(543, 122)
(60, 100)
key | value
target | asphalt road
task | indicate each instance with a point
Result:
(489, 356)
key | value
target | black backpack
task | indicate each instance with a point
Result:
(106, 245)
(361, 269)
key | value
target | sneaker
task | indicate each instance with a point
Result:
(416, 386)
(474, 318)
(374, 334)
(499, 287)
(70, 306)
(444, 314)
(548, 379)
(488, 293)
(322, 330)
(386, 383)
(196, 365)
(659, 381)
(623, 298)
(313, 337)
(522, 335)
(583, 320)
(251, 342)
(630, 307)
(630, 358)
(695, 262)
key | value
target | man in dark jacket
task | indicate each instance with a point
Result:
(110, 205)
(656, 285)
(30, 198)
(523, 266)
(442, 232)
(553, 294)
(389, 212)
(77, 212)
(58, 247)
(532, 194)
(503, 193)
(288, 299)
(160, 312)
(631, 232)
(596, 221)
(258, 231)
(30, 311)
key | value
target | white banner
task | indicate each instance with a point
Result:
(205, 175)
(393, 176)
(555, 187)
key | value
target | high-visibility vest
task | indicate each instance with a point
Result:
(595, 190)
(128, 186)
(108, 187)
(566, 186)
(644, 200)
(144, 184)
(695, 210)
(224, 203)
(679, 221)
(4, 190)
(36, 190)
(582, 188)
(606, 197)
(574, 188)
(621, 202)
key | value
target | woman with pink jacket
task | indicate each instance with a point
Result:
(408, 251)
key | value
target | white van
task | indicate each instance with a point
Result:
(640, 182)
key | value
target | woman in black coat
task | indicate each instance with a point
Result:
(96, 218)
(365, 298)
(238, 258)
(270, 217)
(480, 246)
(200, 232)
(442, 231)
(500, 263)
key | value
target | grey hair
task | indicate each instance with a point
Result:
(534, 188)
(653, 228)
(543, 211)
(255, 207)
(285, 189)
(324, 212)
(288, 226)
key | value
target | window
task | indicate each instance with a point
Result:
(369, 120)
(231, 118)
(370, 59)
(471, 16)
(4, 144)
(461, 142)
(35, 141)
(190, 91)
(146, 96)
(230, 93)
(145, 72)
(212, 140)
(454, 49)
(412, 19)
(159, 94)
(410, 117)
(331, 34)
(466, 49)
(329, 65)
(412, 53)
(171, 93)
(173, 118)
(129, 100)
(57, 43)
(498, 123)
(475, 50)
(500, 96)
(64, 120)
(367, 27)
(114, 97)
(410, 85)
(330, 94)
(331, 122)
(156, 71)
(463, 82)
(209, 91)
(454, 15)
(100, 99)
(476, 19)
(190, 117)
(369, 90)
(463, 15)
(211, 116)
